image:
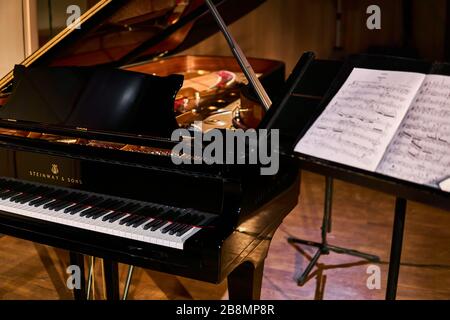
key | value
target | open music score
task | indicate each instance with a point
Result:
(390, 122)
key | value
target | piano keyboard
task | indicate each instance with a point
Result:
(150, 223)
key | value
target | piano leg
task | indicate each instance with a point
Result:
(244, 283)
(77, 259)
(111, 272)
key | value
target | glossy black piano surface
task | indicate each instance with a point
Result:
(67, 186)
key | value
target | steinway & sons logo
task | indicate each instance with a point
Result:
(55, 169)
(54, 174)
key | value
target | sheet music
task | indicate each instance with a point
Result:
(359, 123)
(420, 151)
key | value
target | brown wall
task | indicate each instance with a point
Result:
(283, 29)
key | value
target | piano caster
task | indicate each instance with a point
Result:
(244, 283)
(324, 248)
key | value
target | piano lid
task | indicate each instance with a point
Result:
(121, 32)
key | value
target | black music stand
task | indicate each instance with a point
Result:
(324, 248)
(402, 190)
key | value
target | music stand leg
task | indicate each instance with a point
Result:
(324, 248)
(396, 248)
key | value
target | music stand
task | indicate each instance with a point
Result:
(324, 248)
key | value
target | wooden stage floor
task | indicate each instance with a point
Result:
(362, 220)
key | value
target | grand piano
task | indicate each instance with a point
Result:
(116, 194)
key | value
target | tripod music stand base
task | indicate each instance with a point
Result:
(325, 249)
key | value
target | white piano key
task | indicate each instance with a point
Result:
(98, 225)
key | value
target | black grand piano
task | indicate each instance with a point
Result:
(100, 188)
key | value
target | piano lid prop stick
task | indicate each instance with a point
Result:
(239, 55)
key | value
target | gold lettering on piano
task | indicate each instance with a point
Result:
(54, 175)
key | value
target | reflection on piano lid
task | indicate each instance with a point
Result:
(136, 35)
(96, 98)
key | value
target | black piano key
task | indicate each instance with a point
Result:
(121, 211)
(39, 202)
(173, 228)
(153, 223)
(61, 206)
(177, 223)
(30, 200)
(193, 224)
(50, 204)
(158, 225)
(88, 211)
(101, 210)
(150, 224)
(4, 191)
(72, 207)
(135, 219)
(169, 227)
(189, 221)
(120, 215)
(74, 200)
(83, 205)
(75, 209)
(10, 194)
(50, 197)
(110, 215)
(161, 220)
(24, 194)
(183, 230)
(176, 228)
(29, 195)
(128, 218)
(140, 222)
(26, 199)
(20, 195)
(62, 200)
(100, 213)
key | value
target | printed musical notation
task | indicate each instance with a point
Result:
(420, 150)
(358, 125)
